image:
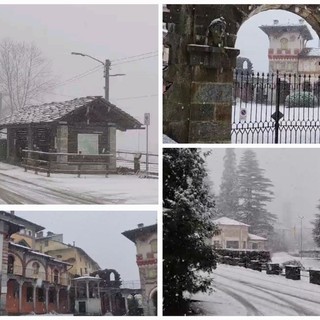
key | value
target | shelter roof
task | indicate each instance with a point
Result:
(58, 111)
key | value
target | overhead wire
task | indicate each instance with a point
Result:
(142, 56)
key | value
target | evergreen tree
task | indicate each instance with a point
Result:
(187, 225)
(316, 228)
(228, 200)
(254, 193)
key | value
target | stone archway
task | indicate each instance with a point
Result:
(197, 108)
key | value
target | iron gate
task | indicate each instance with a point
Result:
(275, 108)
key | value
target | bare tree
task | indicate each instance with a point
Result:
(25, 74)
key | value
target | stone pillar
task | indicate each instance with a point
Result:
(197, 107)
(58, 297)
(112, 143)
(62, 141)
(47, 298)
(4, 269)
(211, 93)
(34, 297)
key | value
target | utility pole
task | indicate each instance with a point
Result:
(147, 123)
(106, 73)
(301, 218)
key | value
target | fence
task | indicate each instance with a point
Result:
(136, 162)
(41, 161)
(127, 162)
(276, 108)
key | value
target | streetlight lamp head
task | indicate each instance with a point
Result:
(78, 54)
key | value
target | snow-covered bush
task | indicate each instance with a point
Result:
(301, 100)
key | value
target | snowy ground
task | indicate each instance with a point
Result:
(245, 292)
(299, 125)
(19, 187)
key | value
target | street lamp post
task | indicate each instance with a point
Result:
(301, 218)
(106, 69)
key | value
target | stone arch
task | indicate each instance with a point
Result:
(38, 273)
(17, 264)
(153, 300)
(310, 13)
(198, 107)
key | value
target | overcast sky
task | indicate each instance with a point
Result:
(295, 174)
(254, 43)
(104, 32)
(99, 234)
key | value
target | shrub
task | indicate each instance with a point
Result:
(301, 100)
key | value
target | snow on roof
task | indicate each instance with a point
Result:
(228, 221)
(37, 253)
(310, 52)
(54, 111)
(96, 278)
(278, 29)
(255, 237)
(166, 139)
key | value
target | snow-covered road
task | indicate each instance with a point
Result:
(244, 292)
(19, 187)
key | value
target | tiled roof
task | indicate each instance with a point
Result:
(54, 111)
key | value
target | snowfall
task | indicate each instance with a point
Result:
(19, 187)
(238, 291)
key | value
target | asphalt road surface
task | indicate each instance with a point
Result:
(18, 191)
(243, 292)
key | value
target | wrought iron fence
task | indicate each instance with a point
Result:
(275, 108)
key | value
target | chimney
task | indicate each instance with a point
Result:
(301, 21)
(74, 243)
(275, 22)
(49, 233)
(140, 225)
(12, 212)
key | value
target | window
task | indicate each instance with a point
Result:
(154, 246)
(88, 143)
(29, 295)
(85, 271)
(255, 246)
(244, 245)
(35, 267)
(40, 295)
(46, 243)
(10, 264)
(284, 44)
(232, 244)
(56, 276)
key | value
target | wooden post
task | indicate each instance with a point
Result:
(49, 164)
(107, 166)
(79, 169)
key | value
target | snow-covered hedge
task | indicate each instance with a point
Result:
(301, 100)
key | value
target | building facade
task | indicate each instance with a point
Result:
(52, 244)
(145, 239)
(84, 125)
(288, 51)
(235, 235)
(31, 282)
